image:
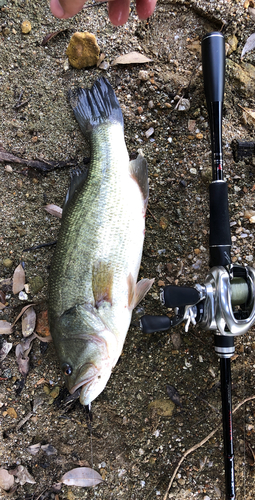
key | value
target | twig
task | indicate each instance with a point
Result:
(198, 445)
(151, 214)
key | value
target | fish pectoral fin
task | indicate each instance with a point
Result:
(136, 292)
(139, 172)
(102, 281)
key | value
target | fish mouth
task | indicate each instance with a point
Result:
(87, 375)
(92, 382)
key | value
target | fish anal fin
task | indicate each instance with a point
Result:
(139, 172)
(136, 292)
(102, 281)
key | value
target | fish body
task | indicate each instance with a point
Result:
(92, 284)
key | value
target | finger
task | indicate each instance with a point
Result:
(145, 8)
(66, 8)
(118, 11)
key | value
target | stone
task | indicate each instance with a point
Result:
(242, 76)
(7, 262)
(36, 284)
(26, 27)
(83, 50)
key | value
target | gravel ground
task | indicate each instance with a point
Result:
(134, 447)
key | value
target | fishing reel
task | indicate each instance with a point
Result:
(225, 303)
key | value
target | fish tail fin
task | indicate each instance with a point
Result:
(95, 106)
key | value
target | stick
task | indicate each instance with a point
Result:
(198, 445)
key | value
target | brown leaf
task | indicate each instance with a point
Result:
(54, 210)
(42, 325)
(6, 479)
(28, 322)
(82, 476)
(100, 59)
(248, 115)
(18, 279)
(49, 37)
(12, 413)
(5, 327)
(131, 58)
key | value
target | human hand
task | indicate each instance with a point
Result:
(118, 9)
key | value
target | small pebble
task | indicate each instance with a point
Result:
(7, 262)
(26, 27)
(8, 169)
(143, 75)
(23, 296)
(149, 132)
(199, 136)
(193, 171)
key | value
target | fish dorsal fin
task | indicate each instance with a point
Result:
(102, 281)
(136, 292)
(139, 172)
(78, 177)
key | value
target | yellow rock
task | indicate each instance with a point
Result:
(83, 50)
(26, 27)
(163, 407)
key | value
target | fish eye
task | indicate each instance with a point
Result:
(67, 369)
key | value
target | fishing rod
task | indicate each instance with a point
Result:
(225, 303)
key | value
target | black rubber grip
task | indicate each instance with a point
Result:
(150, 323)
(220, 237)
(213, 58)
(180, 296)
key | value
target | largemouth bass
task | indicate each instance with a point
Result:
(92, 285)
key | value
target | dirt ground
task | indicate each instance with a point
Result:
(134, 448)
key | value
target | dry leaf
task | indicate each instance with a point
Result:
(54, 210)
(82, 476)
(28, 322)
(250, 214)
(34, 448)
(18, 279)
(100, 59)
(6, 479)
(252, 13)
(42, 325)
(22, 360)
(23, 475)
(5, 327)
(49, 449)
(12, 413)
(249, 45)
(5, 347)
(131, 58)
(22, 312)
(49, 37)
